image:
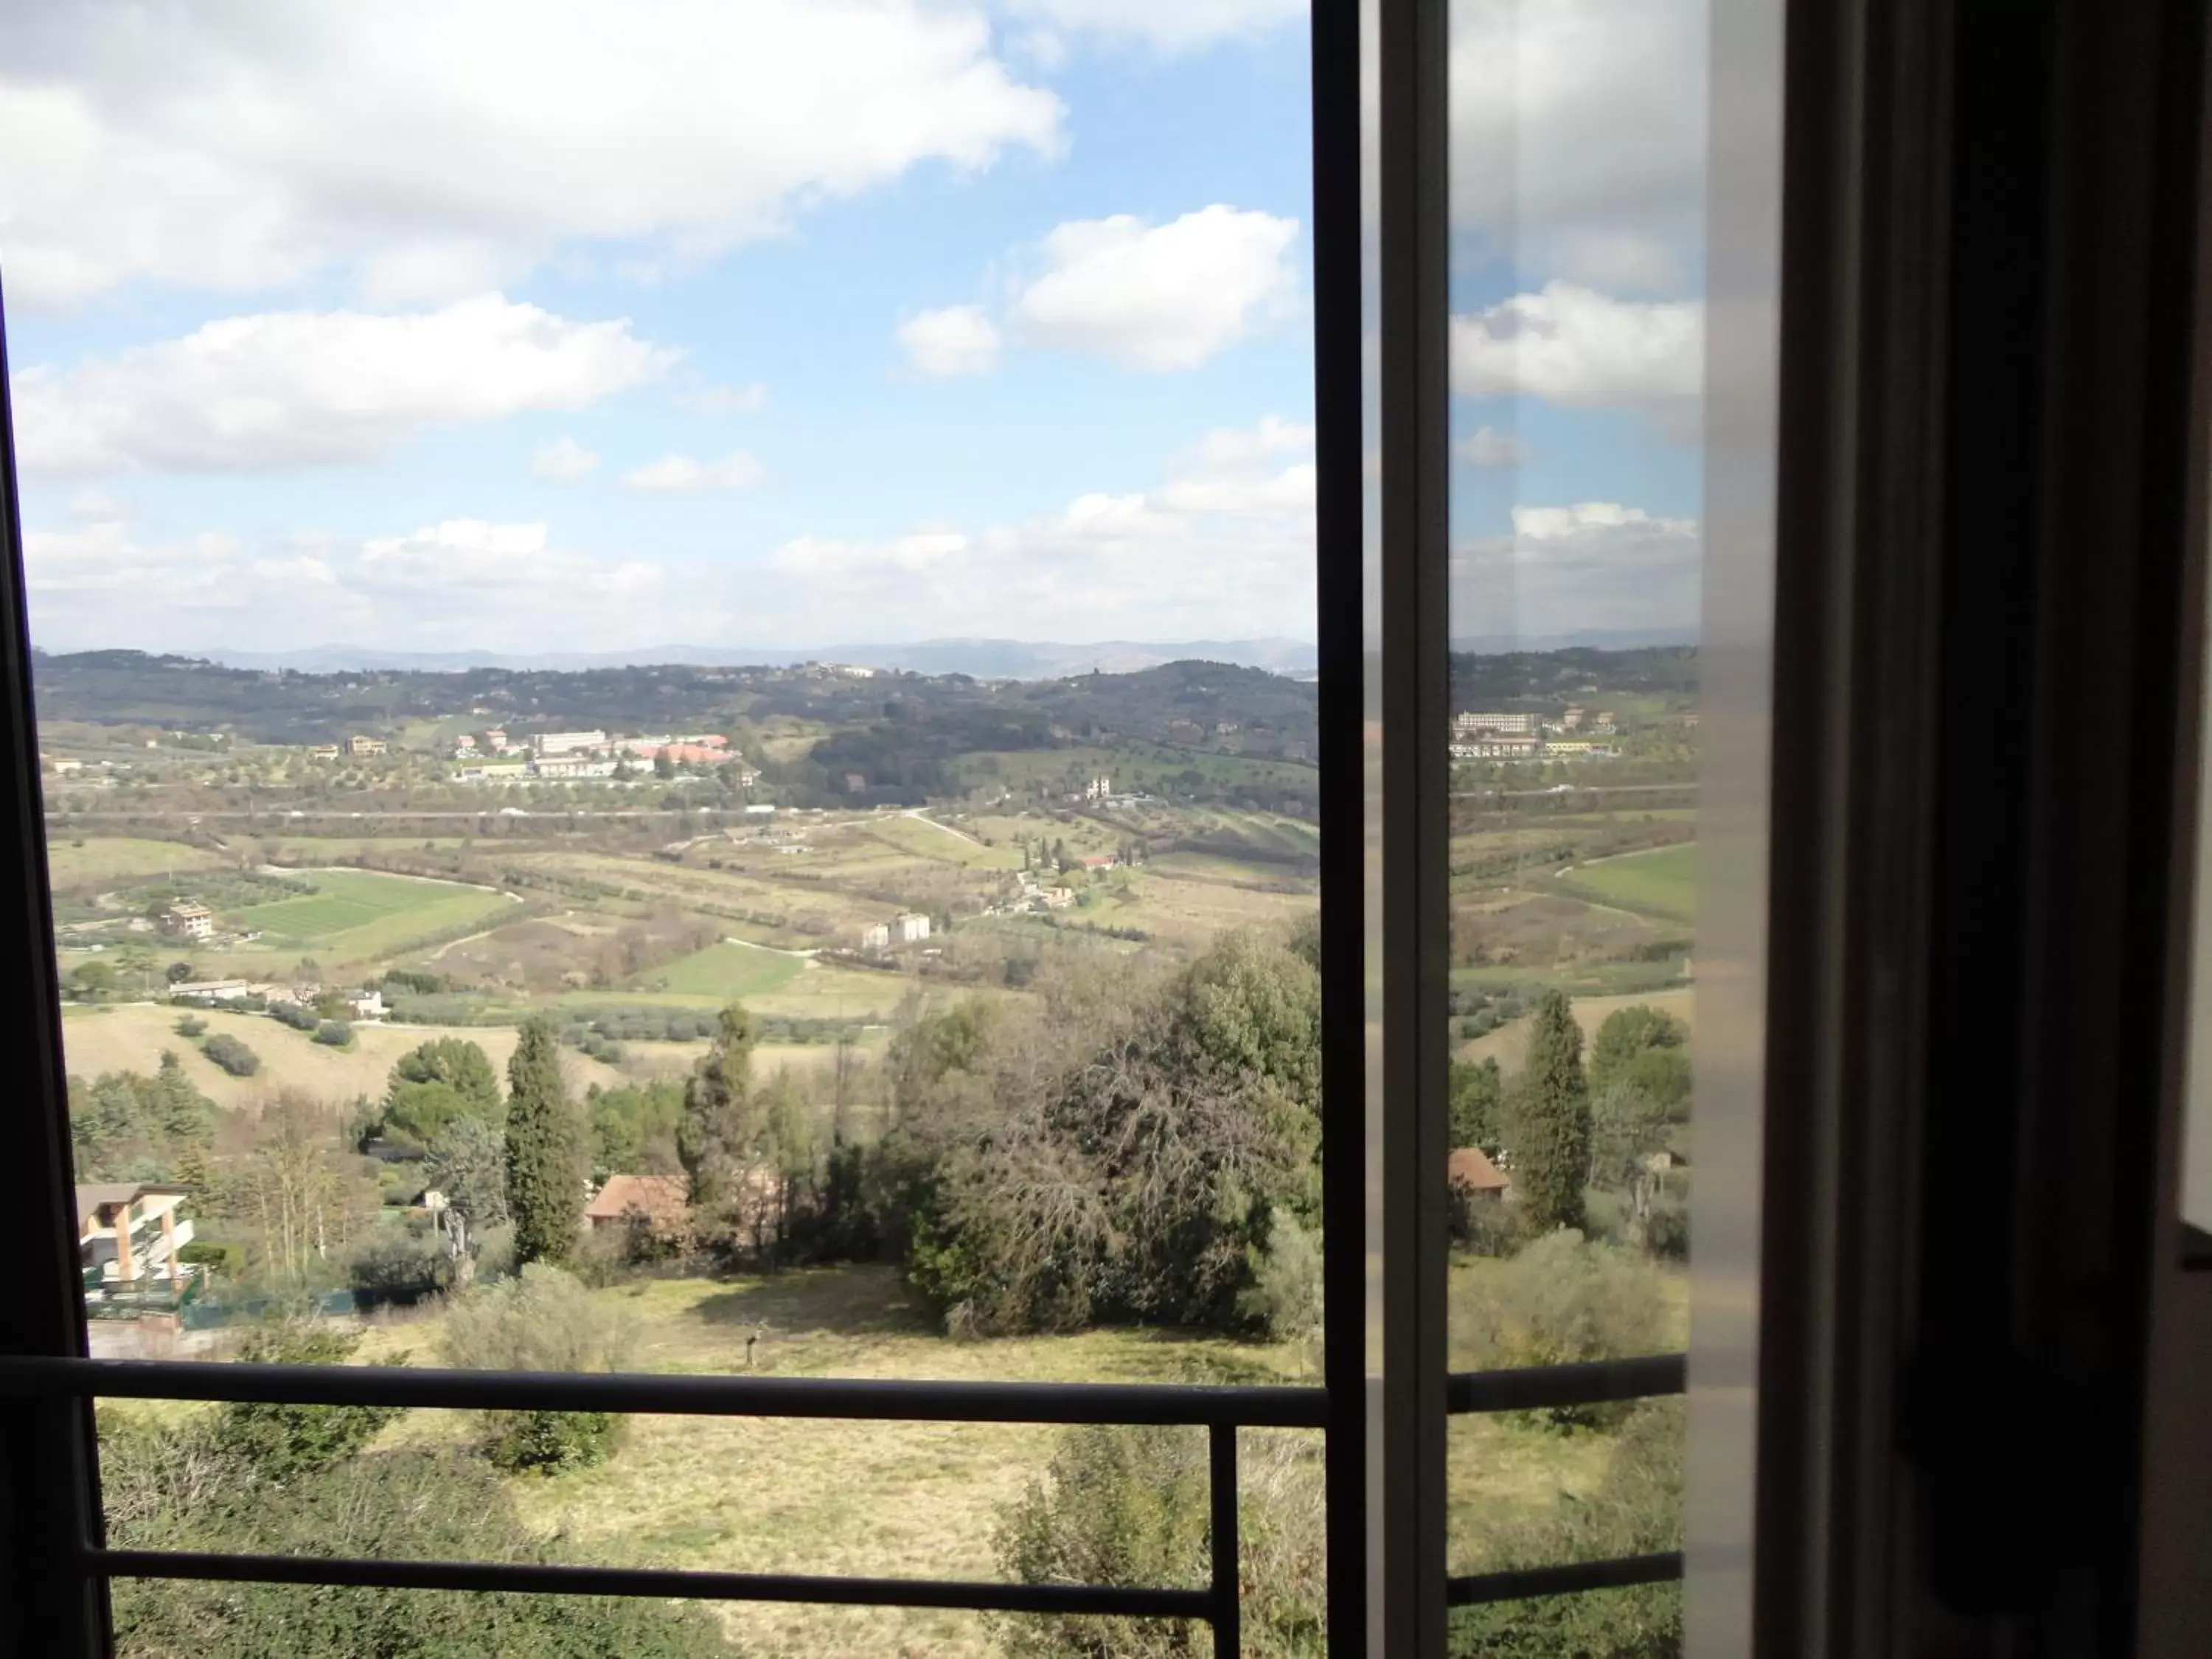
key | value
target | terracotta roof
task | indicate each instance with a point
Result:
(1471, 1168)
(661, 1197)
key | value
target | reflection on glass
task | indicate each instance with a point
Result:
(1576, 286)
(676, 680)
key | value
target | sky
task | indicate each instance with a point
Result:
(516, 325)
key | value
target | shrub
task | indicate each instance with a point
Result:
(543, 1320)
(224, 1259)
(334, 1034)
(1636, 1509)
(1285, 1297)
(1667, 1230)
(282, 1442)
(1562, 1299)
(403, 1505)
(397, 1264)
(1127, 1505)
(233, 1055)
(298, 1016)
(191, 1025)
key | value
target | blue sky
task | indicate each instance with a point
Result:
(575, 328)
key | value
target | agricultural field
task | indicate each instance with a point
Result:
(354, 915)
(1663, 882)
(927, 838)
(132, 1037)
(96, 861)
(1509, 1041)
(726, 972)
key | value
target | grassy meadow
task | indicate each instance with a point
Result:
(1663, 882)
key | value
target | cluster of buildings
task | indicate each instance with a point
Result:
(908, 927)
(561, 756)
(1519, 734)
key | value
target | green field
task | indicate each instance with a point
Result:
(1664, 883)
(358, 913)
(726, 972)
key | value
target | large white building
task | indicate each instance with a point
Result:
(1466, 725)
(910, 927)
(567, 743)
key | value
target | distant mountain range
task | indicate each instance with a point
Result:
(985, 659)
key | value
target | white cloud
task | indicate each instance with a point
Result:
(1160, 297)
(1223, 546)
(292, 389)
(1592, 566)
(1486, 447)
(562, 461)
(434, 149)
(749, 399)
(680, 475)
(1578, 129)
(1569, 346)
(947, 344)
(1166, 24)
(460, 584)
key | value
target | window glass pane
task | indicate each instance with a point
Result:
(1578, 133)
(677, 652)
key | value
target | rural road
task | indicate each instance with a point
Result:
(922, 816)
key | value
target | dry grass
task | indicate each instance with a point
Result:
(102, 860)
(133, 1038)
(875, 1498)
(1511, 1041)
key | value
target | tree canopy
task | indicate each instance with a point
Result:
(544, 1150)
(1550, 1141)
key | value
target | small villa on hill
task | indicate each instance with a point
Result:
(1473, 1175)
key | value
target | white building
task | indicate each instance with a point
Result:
(1098, 788)
(758, 810)
(567, 743)
(192, 921)
(1466, 725)
(910, 926)
(575, 768)
(877, 937)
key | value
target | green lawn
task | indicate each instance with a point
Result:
(359, 912)
(724, 971)
(1664, 882)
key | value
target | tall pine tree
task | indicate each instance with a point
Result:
(1551, 1143)
(715, 1133)
(544, 1150)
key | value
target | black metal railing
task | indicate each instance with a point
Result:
(1220, 1410)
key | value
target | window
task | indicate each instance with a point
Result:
(934, 805)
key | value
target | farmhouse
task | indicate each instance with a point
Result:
(659, 1200)
(322, 751)
(188, 920)
(910, 926)
(1472, 1175)
(361, 748)
(877, 937)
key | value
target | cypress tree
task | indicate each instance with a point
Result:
(1551, 1120)
(544, 1150)
(712, 1135)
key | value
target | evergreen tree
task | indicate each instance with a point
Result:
(1551, 1144)
(459, 1064)
(1478, 1106)
(544, 1150)
(714, 1134)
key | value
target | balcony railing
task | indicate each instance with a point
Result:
(1220, 1410)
